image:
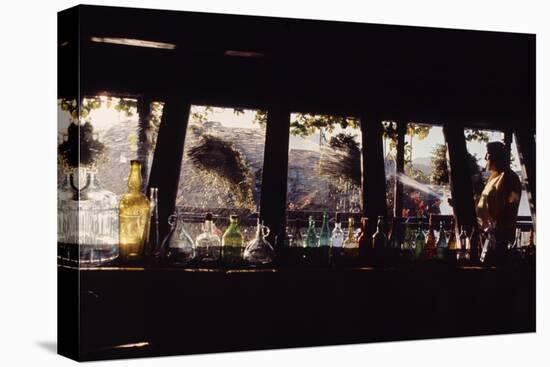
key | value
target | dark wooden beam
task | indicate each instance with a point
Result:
(399, 170)
(460, 177)
(275, 169)
(374, 179)
(525, 140)
(166, 167)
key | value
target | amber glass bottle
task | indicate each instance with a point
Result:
(134, 216)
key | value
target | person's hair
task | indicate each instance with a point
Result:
(497, 151)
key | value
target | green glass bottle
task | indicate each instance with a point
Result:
(324, 235)
(232, 242)
(311, 237)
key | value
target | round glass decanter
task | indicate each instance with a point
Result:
(259, 251)
(178, 247)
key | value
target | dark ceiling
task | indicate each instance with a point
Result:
(393, 72)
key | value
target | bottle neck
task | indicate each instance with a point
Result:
(134, 179)
(209, 226)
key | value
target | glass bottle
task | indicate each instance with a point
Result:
(394, 240)
(134, 217)
(259, 251)
(324, 234)
(297, 239)
(452, 241)
(363, 241)
(464, 244)
(311, 237)
(232, 242)
(379, 239)
(350, 242)
(419, 243)
(208, 244)
(530, 251)
(430, 241)
(285, 239)
(337, 237)
(442, 244)
(178, 246)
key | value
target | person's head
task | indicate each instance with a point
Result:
(496, 156)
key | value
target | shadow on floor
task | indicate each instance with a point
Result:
(50, 346)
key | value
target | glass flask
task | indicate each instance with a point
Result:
(208, 244)
(134, 217)
(311, 236)
(259, 251)
(232, 242)
(87, 220)
(178, 247)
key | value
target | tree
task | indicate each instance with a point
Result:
(440, 168)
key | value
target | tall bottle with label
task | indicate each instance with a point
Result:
(134, 217)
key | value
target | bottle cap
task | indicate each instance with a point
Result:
(208, 216)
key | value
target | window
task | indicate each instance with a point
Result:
(426, 178)
(222, 166)
(116, 125)
(476, 140)
(324, 167)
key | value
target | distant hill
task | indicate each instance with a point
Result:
(423, 164)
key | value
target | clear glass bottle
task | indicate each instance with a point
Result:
(442, 244)
(88, 220)
(134, 217)
(464, 242)
(208, 244)
(311, 236)
(259, 251)
(337, 238)
(232, 242)
(324, 234)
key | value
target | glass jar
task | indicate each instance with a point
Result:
(87, 220)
